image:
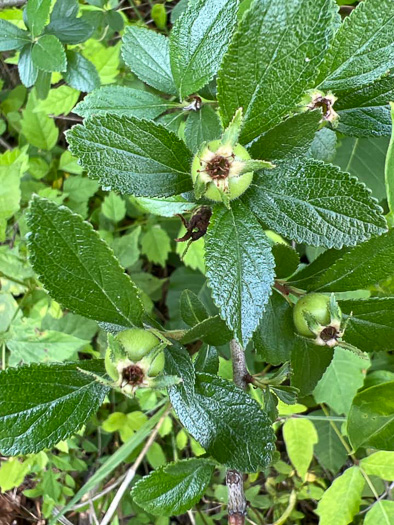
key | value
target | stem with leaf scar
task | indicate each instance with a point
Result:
(234, 479)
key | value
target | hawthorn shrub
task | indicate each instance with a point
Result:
(264, 350)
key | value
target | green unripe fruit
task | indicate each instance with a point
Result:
(219, 168)
(157, 365)
(316, 304)
(137, 343)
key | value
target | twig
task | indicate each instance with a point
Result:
(191, 517)
(132, 471)
(11, 3)
(4, 143)
(234, 479)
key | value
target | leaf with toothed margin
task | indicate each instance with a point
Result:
(315, 203)
(78, 268)
(240, 267)
(41, 405)
(132, 156)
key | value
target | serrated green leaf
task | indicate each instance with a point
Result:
(198, 41)
(382, 512)
(202, 126)
(267, 72)
(155, 244)
(174, 488)
(363, 266)
(60, 101)
(166, 207)
(27, 70)
(340, 382)
(365, 112)
(114, 207)
(291, 138)
(132, 156)
(362, 49)
(274, 338)
(371, 418)
(300, 436)
(370, 325)
(380, 464)
(126, 249)
(308, 363)
(205, 406)
(212, 331)
(12, 37)
(192, 309)
(81, 74)
(37, 15)
(79, 189)
(315, 203)
(341, 502)
(39, 129)
(329, 450)
(240, 268)
(41, 405)
(324, 146)
(78, 268)
(207, 360)
(66, 26)
(13, 164)
(48, 54)
(148, 56)
(122, 100)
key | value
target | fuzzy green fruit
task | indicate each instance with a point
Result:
(157, 365)
(137, 343)
(316, 304)
(219, 168)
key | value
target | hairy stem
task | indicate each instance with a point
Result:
(234, 479)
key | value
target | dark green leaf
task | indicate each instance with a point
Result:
(27, 70)
(43, 84)
(178, 9)
(192, 310)
(202, 126)
(132, 156)
(362, 49)
(365, 159)
(122, 100)
(286, 260)
(147, 55)
(48, 54)
(12, 37)
(81, 73)
(371, 418)
(64, 9)
(266, 71)
(240, 268)
(371, 323)
(361, 267)
(324, 146)
(274, 338)
(37, 14)
(174, 488)
(308, 362)
(365, 112)
(70, 30)
(329, 450)
(206, 409)
(291, 138)
(41, 405)
(315, 203)
(212, 331)
(207, 360)
(78, 268)
(198, 42)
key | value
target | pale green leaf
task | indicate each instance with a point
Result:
(379, 464)
(105, 59)
(60, 101)
(381, 513)
(155, 244)
(114, 207)
(39, 129)
(300, 436)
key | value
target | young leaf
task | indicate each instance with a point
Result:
(240, 268)
(202, 126)
(155, 244)
(148, 56)
(365, 112)
(267, 72)
(37, 14)
(341, 502)
(122, 100)
(362, 49)
(370, 323)
(27, 70)
(315, 203)
(132, 156)
(81, 73)
(329, 450)
(39, 129)
(212, 331)
(198, 42)
(48, 54)
(60, 101)
(78, 268)
(114, 207)
(382, 512)
(324, 146)
(12, 37)
(192, 309)
(174, 488)
(340, 382)
(205, 406)
(300, 436)
(363, 266)
(380, 464)
(41, 405)
(371, 418)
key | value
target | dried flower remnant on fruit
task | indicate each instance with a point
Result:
(325, 102)
(197, 226)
